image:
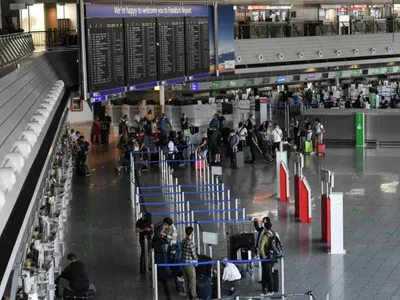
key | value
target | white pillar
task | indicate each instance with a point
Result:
(162, 98)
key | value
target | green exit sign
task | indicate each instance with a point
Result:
(356, 72)
(266, 80)
(377, 71)
(249, 82)
(389, 70)
(216, 85)
(339, 74)
(233, 83)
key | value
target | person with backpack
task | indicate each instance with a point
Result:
(270, 248)
(242, 133)
(260, 229)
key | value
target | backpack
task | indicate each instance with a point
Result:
(274, 246)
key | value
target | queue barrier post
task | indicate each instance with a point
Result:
(236, 207)
(219, 279)
(198, 237)
(223, 198)
(188, 211)
(146, 254)
(283, 276)
(183, 200)
(153, 261)
(181, 205)
(229, 204)
(244, 212)
(155, 282)
(216, 189)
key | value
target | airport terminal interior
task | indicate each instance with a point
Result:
(216, 116)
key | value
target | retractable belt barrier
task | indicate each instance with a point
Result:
(218, 263)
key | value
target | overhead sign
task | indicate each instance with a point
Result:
(144, 11)
(194, 86)
(216, 85)
(233, 83)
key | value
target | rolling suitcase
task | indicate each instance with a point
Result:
(246, 153)
(204, 287)
(239, 160)
(275, 276)
(308, 147)
(266, 155)
(321, 149)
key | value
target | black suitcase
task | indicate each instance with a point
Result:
(194, 130)
(243, 240)
(275, 276)
(203, 270)
(172, 134)
(89, 295)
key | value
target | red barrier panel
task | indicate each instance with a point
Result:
(304, 205)
(326, 219)
(296, 196)
(283, 184)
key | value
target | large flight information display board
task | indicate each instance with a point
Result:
(105, 54)
(140, 50)
(171, 48)
(131, 47)
(197, 46)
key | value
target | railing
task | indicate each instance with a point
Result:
(55, 38)
(15, 46)
(262, 30)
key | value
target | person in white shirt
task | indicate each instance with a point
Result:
(231, 275)
(171, 152)
(367, 105)
(242, 133)
(277, 136)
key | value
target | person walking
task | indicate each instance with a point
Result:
(189, 256)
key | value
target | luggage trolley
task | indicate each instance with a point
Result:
(241, 244)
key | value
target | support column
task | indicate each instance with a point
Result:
(82, 62)
(162, 98)
(337, 82)
(216, 38)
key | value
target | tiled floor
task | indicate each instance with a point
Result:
(101, 228)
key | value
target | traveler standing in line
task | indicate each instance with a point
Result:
(215, 122)
(144, 228)
(251, 126)
(253, 145)
(83, 154)
(276, 136)
(96, 131)
(162, 124)
(260, 228)
(214, 145)
(319, 131)
(233, 147)
(266, 252)
(184, 122)
(189, 256)
(242, 133)
(105, 128)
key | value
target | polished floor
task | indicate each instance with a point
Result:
(102, 227)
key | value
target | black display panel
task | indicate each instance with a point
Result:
(140, 50)
(197, 46)
(171, 48)
(105, 54)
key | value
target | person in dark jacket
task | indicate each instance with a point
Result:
(73, 278)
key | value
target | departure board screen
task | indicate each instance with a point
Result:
(171, 48)
(140, 50)
(105, 54)
(197, 46)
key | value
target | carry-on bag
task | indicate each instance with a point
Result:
(246, 154)
(203, 270)
(266, 155)
(239, 160)
(321, 148)
(308, 147)
(204, 287)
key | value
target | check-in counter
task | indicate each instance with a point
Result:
(340, 125)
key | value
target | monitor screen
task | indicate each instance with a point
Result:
(365, 72)
(325, 75)
(296, 78)
(281, 79)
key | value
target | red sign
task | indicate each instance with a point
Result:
(263, 100)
